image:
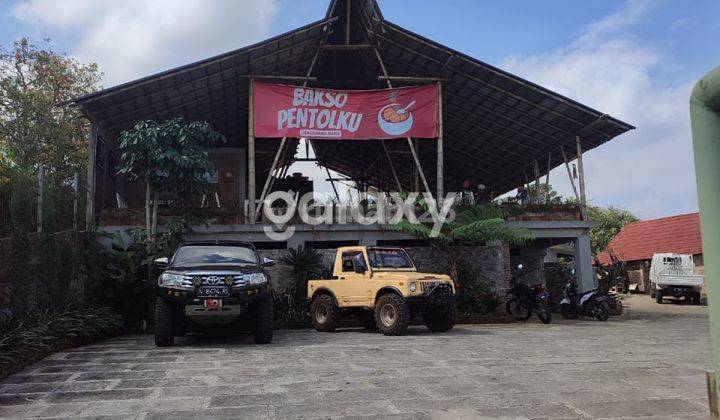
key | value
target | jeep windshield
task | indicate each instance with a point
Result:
(389, 259)
(198, 255)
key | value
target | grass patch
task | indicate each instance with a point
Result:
(29, 338)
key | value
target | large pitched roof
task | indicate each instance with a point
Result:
(495, 123)
(640, 240)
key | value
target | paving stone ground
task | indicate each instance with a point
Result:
(648, 363)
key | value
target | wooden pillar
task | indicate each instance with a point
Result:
(536, 172)
(547, 176)
(440, 178)
(347, 22)
(392, 166)
(572, 181)
(251, 157)
(76, 187)
(409, 140)
(90, 188)
(581, 174)
(41, 194)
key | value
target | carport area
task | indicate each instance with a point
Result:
(650, 362)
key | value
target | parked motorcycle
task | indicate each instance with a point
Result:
(522, 300)
(592, 303)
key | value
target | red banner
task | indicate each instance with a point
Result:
(315, 113)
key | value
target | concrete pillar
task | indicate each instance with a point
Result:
(583, 262)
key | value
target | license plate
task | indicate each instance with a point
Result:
(213, 291)
(213, 303)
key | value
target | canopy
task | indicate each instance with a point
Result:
(495, 124)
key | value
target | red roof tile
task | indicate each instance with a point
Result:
(640, 240)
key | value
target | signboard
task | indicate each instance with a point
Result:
(315, 113)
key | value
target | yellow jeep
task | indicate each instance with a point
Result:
(383, 289)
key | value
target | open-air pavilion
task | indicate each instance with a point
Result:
(496, 128)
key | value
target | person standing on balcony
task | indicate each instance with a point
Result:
(481, 195)
(522, 196)
(466, 194)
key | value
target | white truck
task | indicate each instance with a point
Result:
(674, 275)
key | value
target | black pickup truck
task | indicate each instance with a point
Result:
(210, 283)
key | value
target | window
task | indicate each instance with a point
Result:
(389, 258)
(352, 259)
(197, 255)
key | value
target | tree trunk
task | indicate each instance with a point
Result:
(147, 206)
(156, 198)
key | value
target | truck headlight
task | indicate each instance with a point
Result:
(255, 278)
(413, 287)
(175, 280)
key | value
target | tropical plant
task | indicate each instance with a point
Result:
(610, 221)
(306, 264)
(473, 225)
(167, 156)
(27, 338)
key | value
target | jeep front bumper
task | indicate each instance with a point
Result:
(238, 295)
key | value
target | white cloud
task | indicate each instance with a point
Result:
(649, 170)
(134, 38)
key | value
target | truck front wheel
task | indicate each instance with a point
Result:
(392, 316)
(263, 322)
(163, 323)
(440, 319)
(324, 313)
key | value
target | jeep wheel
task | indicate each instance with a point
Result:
(263, 322)
(367, 320)
(163, 323)
(324, 313)
(441, 318)
(392, 315)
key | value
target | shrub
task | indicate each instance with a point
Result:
(306, 263)
(27, 338)
(474, 295)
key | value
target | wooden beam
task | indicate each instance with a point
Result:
(40, 197)
(572, 181)
(547, 176)
(251, 156)
(268, 180)
(439, 176)
(90, 188)
(409, 140)
(348, 5)
(413, 79)
(344, 47)
(278, 77)
(536, 172)
(76, 189)
(581, 174)
(392, 167)
(332, 183)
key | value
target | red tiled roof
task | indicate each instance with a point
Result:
(640, 240)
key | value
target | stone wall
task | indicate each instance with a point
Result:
(485, 261)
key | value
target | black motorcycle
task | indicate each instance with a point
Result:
(592, 303)
(522, 300)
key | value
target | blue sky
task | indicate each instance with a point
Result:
(636, 60)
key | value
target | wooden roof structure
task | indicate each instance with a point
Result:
(496, 125)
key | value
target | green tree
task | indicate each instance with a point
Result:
(33, 130)
(167, 156)
(610, 221)
(473, 226)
